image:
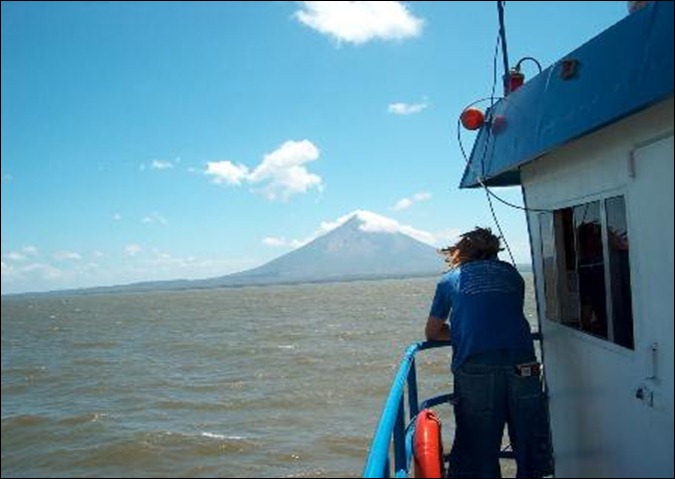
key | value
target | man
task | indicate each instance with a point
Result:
(478, 307)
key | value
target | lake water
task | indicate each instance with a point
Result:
(277, 381)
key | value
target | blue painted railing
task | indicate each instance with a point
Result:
(391, 429)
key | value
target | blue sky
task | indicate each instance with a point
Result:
(152, 140)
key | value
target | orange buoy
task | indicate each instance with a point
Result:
(427, 445)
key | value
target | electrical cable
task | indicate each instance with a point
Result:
(532, 59)
(479, 176)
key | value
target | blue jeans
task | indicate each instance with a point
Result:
(489, 395)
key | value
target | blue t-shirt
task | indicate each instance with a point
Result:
(484, 301)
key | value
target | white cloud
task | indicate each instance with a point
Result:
(67, 256)
(116, 217)
(275, 242)
(45, 271)
(402, 204)
(164, 265)
(227, 172)
(405, 203)
(138, 264)
(154, 217)
(25, 253)
(284, 172)
(407, 108)
(161, 165)
(283, 242)
(28, 272)
(15, 256)
(132, 249)
(30, 250)
(281, 173)
(360, 22)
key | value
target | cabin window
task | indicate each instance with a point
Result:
(586, 272)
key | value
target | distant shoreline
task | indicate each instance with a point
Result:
(189, 285)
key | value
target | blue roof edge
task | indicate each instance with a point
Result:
(621, 71)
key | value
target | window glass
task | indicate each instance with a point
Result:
(586, 269)
(546, 233)
(567, 265)
(591, 269)
(619, 268)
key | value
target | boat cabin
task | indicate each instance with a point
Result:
(590, 142)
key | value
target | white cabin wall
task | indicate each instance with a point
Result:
(595, 163)
(591, 379)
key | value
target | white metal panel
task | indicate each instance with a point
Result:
(600, 428)
(651, 212)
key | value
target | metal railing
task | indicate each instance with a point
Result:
(391, 429)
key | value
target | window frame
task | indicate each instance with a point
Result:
(558, 299)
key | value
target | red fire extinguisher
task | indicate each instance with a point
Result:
(516, 79)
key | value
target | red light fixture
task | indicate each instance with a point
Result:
(472, 118)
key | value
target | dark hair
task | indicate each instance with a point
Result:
(474, 245)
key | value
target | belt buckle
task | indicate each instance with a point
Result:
(526, 370)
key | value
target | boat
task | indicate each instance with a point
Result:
(589, 141)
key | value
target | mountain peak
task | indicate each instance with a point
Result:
(370, 222)
(360, 244)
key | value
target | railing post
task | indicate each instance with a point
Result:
(413, 400)
(400, 462)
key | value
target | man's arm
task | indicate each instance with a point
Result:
(437, 329)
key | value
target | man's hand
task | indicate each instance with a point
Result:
(437, 329)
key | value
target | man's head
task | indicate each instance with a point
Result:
(473, 245)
